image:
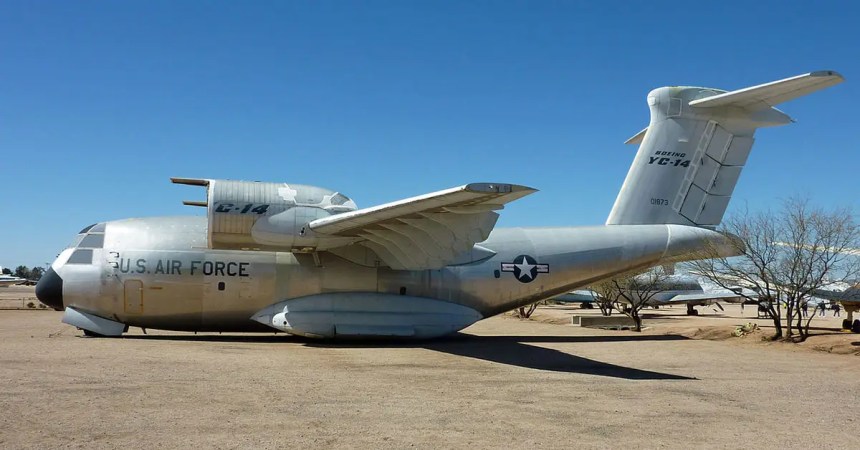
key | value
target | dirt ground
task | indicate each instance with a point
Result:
(19, 297)
(504, 382)
(716, 324)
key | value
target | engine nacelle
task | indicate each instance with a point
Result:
(268, 216)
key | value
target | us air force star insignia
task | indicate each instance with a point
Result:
(525, 268)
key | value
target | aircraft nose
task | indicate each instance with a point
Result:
(49, 290)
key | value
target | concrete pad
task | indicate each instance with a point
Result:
(592, 321)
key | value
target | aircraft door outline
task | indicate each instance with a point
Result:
(133, 296)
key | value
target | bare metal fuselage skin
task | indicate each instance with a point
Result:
(159, 273)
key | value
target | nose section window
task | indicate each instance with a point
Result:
(93, 241)
(81, 256)
(90, 237)
(77, 240)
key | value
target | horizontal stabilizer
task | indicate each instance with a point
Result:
(637, 138)
(773, 93)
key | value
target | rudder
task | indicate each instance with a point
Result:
(692, 153)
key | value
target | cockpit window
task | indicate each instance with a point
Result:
(77, 240)
(96, 240)
(81, 256)
(90, 237)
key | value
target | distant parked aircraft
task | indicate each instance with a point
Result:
(850, 300)
(673, 290)
(9, 280)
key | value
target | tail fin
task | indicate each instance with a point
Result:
(692, 152)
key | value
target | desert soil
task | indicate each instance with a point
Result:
(502, 383)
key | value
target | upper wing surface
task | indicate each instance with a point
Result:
(428, 231)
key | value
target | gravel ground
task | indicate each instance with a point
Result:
(502, 383)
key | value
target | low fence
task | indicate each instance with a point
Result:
(27, 303)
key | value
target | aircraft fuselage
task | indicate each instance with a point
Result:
(159, 273)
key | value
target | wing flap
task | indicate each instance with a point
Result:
(773, 93)
(428, 231)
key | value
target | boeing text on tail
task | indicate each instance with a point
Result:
(307, 261)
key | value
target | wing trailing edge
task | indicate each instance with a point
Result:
(428, 231)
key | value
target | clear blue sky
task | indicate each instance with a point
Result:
(102, 101)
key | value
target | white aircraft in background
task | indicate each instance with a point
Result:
(10, 280)
(681, 289)
(850, 300)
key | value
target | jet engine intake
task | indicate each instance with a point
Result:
(250, 215)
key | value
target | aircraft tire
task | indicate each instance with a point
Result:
(846, 324)
(693, 312)
(855, 327)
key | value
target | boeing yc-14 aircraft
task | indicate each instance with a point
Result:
(307, 261)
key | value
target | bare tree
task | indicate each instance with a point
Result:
(36, 273)
(785, 257)
(526, 311)
(629, 294)
(605, 295)
(22, 271)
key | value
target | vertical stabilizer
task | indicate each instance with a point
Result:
(691, 155)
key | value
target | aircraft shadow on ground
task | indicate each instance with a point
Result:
(515, 351)
(509, 350)
(828, 331)
(675, 317)
(231, 338)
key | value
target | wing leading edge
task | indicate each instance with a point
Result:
(773, 93)
(428, 231)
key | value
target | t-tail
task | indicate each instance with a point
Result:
(692, 152)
